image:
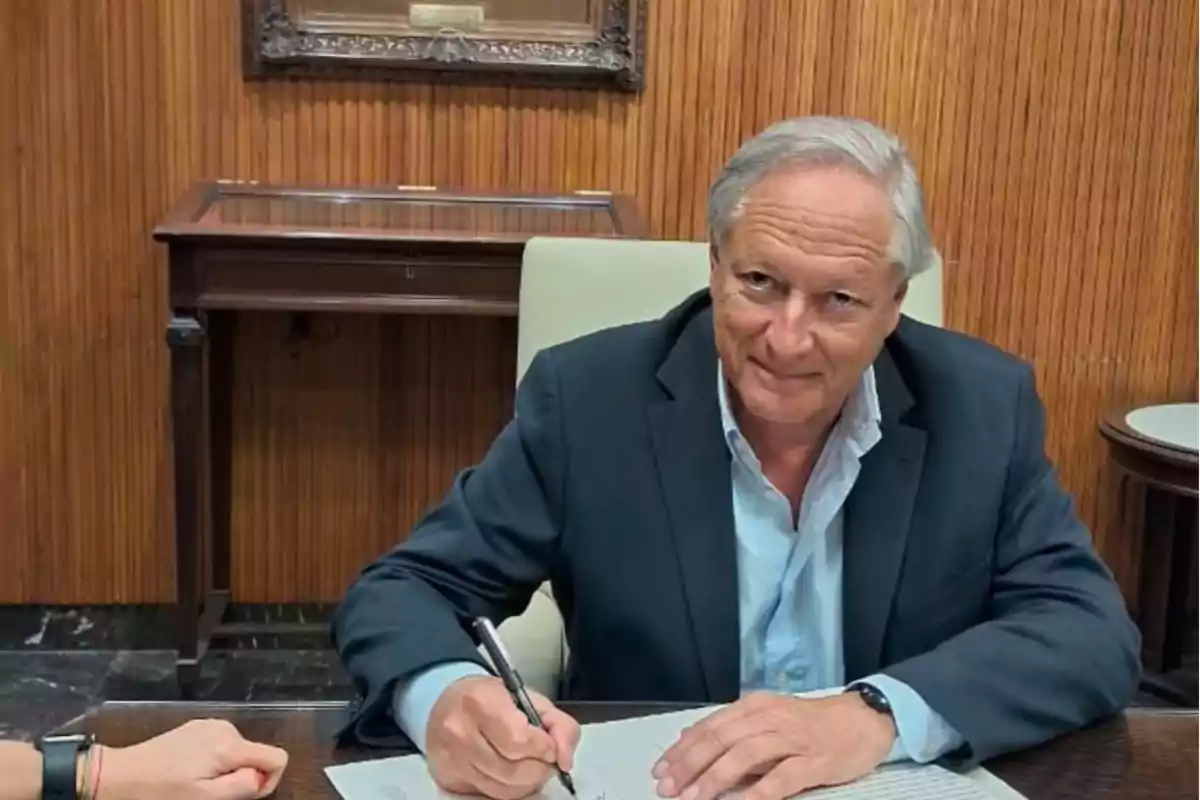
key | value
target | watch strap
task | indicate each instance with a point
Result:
(60, 759)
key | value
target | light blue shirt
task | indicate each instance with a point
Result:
(790, 575)
(790, 586)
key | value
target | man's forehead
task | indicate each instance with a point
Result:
(822, 191)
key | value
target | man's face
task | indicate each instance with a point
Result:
(804, 293)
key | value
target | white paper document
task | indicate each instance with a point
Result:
(614, 760)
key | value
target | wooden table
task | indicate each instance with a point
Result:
(1167, 470)
(1145, 754)
(245, 247)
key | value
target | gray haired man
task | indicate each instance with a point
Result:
(783, 485)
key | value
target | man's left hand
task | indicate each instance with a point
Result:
(776, 746)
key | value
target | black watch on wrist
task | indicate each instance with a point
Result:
(60, 754)
(875, 699)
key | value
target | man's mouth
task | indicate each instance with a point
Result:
(791, 376)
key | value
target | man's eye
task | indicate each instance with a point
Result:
(842, 299)
(757, 280)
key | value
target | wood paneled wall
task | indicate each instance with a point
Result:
(1057, 141)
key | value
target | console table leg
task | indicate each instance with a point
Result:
(1168, 564)
(187, 675)
(1182, 581)
(220, 404)
(186, 338)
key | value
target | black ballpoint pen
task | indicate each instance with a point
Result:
(512, 681)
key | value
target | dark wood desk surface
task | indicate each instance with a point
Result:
(1145, 754)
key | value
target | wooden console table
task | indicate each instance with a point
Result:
(1155, 446)
(247, 247)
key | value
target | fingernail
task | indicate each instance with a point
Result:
(666, 787)
(659, 770)
(690, 793)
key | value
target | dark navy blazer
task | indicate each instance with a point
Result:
(967, 573)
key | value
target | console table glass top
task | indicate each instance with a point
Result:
(238, 209)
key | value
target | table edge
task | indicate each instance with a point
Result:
(1114, 428)
(340, 705)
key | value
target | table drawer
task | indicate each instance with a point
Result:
(368, 284)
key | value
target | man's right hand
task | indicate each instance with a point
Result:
(479, 742)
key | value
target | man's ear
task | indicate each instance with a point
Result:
(901, 291)
(712, 256)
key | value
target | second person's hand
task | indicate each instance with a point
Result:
(479, 742)
(201, 760)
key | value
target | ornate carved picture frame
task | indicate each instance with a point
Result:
(600, 45)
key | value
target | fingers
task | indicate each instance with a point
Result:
(563, 728)
(471, 781)
(242, 784)
(263, 757)
(271, 782)
(514, 737)
(530, 773)
(747, 758)
(494, 748)
(480, 742)
(707, 728)
(704, 745)
(789, 777)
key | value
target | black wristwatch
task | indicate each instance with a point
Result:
(60, 754)
(875, 699)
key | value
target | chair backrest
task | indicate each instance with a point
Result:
(574, 286)
(924, 299)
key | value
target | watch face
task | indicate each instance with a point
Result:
(874, 698)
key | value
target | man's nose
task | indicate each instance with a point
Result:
(790, 333)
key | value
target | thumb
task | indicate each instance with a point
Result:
(246, 783)
(262, 757)
(563, 729)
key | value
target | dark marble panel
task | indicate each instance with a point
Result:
(268, 613)
(41, 690)
(46, 690)
(280, 612)
(129, 627)
(148, 627)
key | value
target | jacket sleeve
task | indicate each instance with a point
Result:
(482, 551)
(1058, 649)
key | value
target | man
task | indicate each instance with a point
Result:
(782, 485)
(201, 759)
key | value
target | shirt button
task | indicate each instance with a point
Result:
(781, 680)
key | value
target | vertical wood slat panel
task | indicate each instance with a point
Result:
(1056, 142)
(18, 494)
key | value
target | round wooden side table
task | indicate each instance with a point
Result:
(1156, 446)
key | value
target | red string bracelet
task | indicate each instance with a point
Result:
(99, 766)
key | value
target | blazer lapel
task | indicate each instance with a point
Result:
(877, 519)
(693, 468)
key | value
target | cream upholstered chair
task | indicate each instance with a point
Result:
(570, 287)
(574, 286)
(924, 299)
